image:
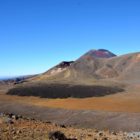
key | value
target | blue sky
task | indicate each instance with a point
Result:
(37, 34)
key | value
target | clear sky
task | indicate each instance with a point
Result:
(37, 34)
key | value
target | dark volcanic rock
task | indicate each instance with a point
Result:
(63, 91)
(57, 136)
(64, 64)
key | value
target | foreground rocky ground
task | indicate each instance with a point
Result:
(16, 127)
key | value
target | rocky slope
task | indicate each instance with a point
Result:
(15, 127)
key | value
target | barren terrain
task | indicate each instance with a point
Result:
(15, 127)
(91, 92)
(127, 101)
(115, 112)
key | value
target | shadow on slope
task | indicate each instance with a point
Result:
(63, 91)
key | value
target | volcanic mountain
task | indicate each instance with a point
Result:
(96, 73)
(101, 53)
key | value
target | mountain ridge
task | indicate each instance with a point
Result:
(108, 72)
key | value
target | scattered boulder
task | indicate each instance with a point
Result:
(63, 126)
(8, 120)
(57, 135)
(114, 133)
(15, 117)
(101, 134)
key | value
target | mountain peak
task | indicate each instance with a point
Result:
(100, 53)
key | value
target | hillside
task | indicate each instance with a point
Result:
(96, 73)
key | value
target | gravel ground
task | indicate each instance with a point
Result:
(77, 118)
(15, 127)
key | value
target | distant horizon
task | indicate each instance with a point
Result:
(13, 77)
(37, 35)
